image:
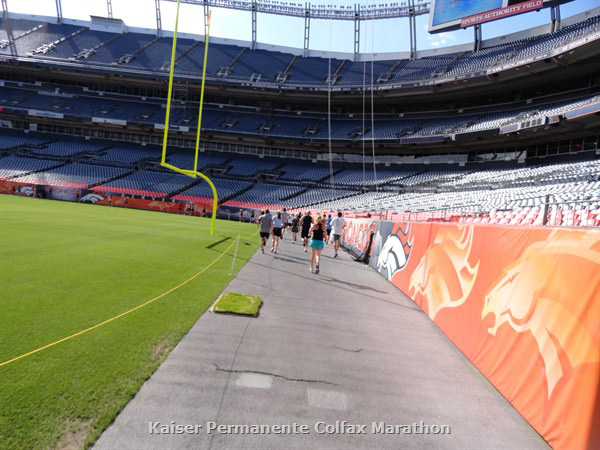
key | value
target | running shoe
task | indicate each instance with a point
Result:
(317, 271)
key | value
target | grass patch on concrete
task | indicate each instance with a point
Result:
(65, 267)
(232, 303)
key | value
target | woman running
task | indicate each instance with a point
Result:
(316, 243)
(328, 228)
(295, 227)
(277, 225)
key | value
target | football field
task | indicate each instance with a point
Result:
(67, 267)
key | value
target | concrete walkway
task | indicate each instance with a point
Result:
(344, 345)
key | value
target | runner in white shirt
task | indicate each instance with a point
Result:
(337, 225)
(277, 225)
(285, 219)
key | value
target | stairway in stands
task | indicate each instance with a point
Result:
(118, 177)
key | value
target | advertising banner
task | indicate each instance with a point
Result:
(501, 13)
(522, 303)
(100, 198)
(40, 113)
(448, 11)
(107, 120)
(20, 189)
(455, 14)
(357, 233)
(62, 193)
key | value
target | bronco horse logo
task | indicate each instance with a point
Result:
(539, 294)
(395, 252)
(444, 277)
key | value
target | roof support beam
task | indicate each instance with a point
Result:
(306, 29)
(206, 11)
(477, 37)
(158, 18)
(356, 32)
(4, 9)
(254, 11)
(412, 27)
(555, 14)
(109, 8)
(59, 15)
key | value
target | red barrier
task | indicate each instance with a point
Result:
(99, 197)
(523, 304)
(195, 209)
(21, 189)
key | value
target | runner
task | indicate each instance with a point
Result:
(328, 229)
(338, 224)
(265, 222)
(295, 226)
(289, 224)
(316, 243)
(306, 222)
(285, 218)
(277, 232)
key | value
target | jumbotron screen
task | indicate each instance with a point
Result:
(454, 14)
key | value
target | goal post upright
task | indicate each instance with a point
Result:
(190, 173)
(170, 89)
(206, 38)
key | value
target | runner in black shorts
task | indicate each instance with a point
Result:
(306, 223)
(295, 226)
(285, 218)
(265, 222)
(277, 225)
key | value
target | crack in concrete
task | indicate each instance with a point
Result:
(348, 349)
(297, 380)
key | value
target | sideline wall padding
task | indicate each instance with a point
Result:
(522, 303)
(98, 197)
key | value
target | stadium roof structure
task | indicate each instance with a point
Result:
(355, 12)
(352, 12)
(100, 45)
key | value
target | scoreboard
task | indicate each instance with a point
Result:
(454, 14)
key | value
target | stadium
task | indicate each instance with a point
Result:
(163, 284)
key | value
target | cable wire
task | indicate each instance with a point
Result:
(373, 106)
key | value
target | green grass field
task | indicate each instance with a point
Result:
(68, 266)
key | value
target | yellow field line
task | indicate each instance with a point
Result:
(124, 313)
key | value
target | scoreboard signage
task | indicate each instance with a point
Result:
(500, 13)
(456, 14)
(448, 12)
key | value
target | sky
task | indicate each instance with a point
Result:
(376, 36)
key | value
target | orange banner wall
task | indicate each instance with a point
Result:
(523, 304)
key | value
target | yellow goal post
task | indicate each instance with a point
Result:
(193, 172)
